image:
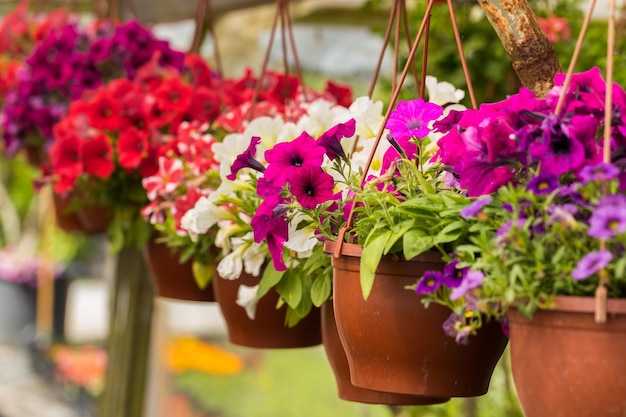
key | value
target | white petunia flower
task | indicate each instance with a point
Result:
(368, 115)
(320, 117)
(247, 298)
(442, 92)
(254, 258)
(302, 240)
(204, 215)
(231, 265)
(269, 129)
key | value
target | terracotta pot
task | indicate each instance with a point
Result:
(171, 278)
(268, 329)
(35, 155)
(66, 220)
(395, 344)
(565, 364)
(339, 364)
(94, 219)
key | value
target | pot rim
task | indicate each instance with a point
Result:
(582, 304)
(356, 251)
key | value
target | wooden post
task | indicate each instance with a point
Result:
(132, 301)
(45, 269)
(533, 56)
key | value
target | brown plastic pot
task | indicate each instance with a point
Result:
(339, 364)
(94, 219)
(268, 329)
(395, 344)
(171, 278)
(66, 220)
(565, 364)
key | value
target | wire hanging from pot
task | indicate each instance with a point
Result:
(422, 33)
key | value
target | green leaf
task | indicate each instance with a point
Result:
(290, 288)
(270, 278)
(370, 258)
(415, 243)
(397, 232)
(321, 288)
(451, 232)
(620, 267)
(202, 272)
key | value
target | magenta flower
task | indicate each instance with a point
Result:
(312, 187)
(246, 160)
(270, 223)
(286, 159)
(331, 139)
(591, 263)
(411, 118)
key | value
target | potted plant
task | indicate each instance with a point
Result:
(111, 139)
(279, 299)
(405, 220)
(546, 246)
(182, 267)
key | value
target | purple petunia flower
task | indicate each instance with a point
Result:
(563, 214)
(430, 282)
(246, 160)
(330, 139)
(609, 217)
(591, 263)
(543, 183)
(471, 280)
(312, 187)
(286, 159)
(474, 209)
(411, 118)
(455, 326)
(600, 172)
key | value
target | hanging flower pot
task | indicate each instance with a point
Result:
(577, 364)
(171, 278)
(94, 219)
(267, 329)
(395, 344)
(339, 363)
(66, 219)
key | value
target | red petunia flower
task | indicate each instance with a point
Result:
(104, 111)
(98, 156)
(132, 147)
(173, 95)
(66, 156)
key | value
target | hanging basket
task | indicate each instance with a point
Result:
(395, 344)
(268, 328)
(171, 278)
(578, 366)
(339, 363)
